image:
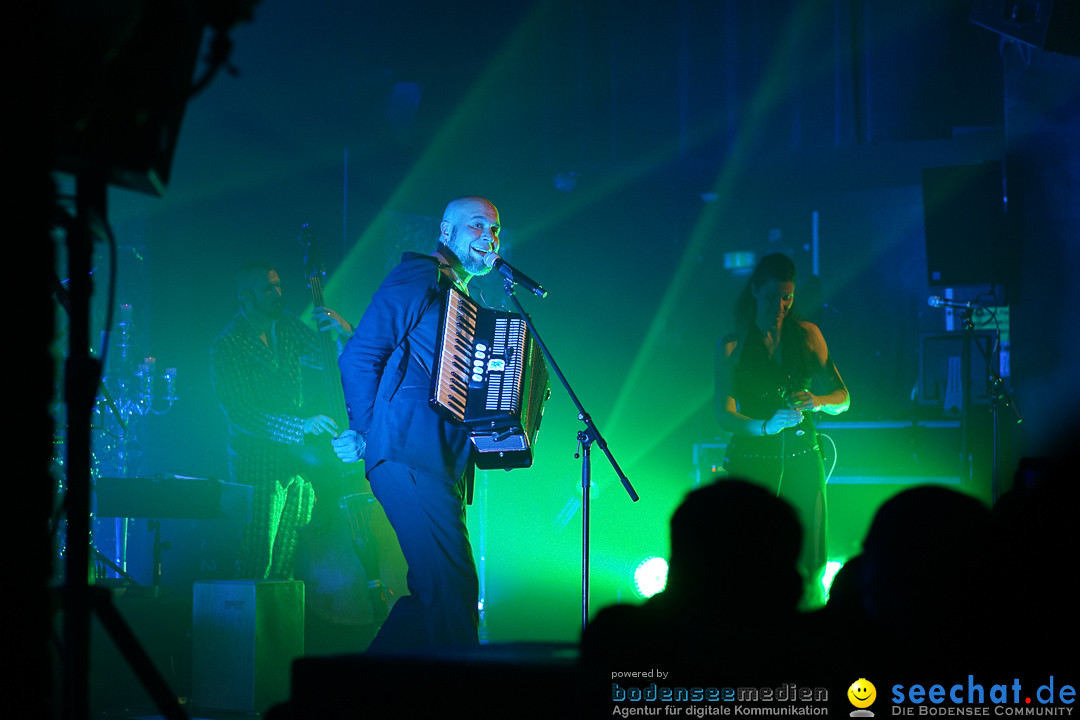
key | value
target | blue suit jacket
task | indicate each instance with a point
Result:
(386, 372)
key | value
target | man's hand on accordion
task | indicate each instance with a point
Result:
(349, 446)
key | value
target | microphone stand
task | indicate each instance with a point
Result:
(586, 438)
(998, 396)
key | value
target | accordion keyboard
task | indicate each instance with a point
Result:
(454, 368)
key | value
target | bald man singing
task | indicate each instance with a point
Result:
(419, 464)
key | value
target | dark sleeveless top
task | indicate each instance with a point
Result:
(761, 387)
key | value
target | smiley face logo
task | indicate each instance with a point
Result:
(862, 693)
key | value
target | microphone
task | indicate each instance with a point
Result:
(935, 301)
(493, 261)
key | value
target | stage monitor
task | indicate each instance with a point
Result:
(964, 220)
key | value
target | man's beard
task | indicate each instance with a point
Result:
(274, 311)
(470, 261)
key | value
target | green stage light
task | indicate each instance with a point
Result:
(831, 568)
(650, 576)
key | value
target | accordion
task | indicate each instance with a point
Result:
(490, 376)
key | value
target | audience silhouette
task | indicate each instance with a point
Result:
(729, 610)
(945, 586)
(1039, 537)
(925, 579)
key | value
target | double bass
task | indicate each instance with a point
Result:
(341, 533)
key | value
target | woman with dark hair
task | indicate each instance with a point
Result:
(765, 372)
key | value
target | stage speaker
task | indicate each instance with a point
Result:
(245, 636)
(965, 224)
(1051, 25)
